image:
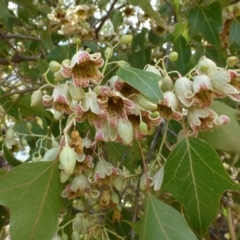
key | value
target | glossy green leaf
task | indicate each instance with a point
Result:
(116, 18)
(143, 81)
(24, 104)
(161, 221)
(32, 192)
(206, 20)
(47, 40)
(147, 8)
(234, 31)
(184, 54)
(8, 105)
(226, 137)
(195, 176)
(10, 158)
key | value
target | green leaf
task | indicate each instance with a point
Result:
(194, 175)
(4, 216)
(116, 19)
(143, 81)
(147, 8)
(32, 192)
(184, 54)
(24, 104)
(10, 158)
(234, 30)
(8, 105)
(226, 137)
(160, 221)
(47, 40)
(208, 21)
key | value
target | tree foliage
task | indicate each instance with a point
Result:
(119, 119)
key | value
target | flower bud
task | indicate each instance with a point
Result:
(77, 223)
(231, 61)
(36, 98)
(77, 93)
(54, 66)
(77, 41)
(145, 103)
(24, 142)
(67, 159)
(10, 133)
(108, 52)
(125, 131)
(57, 115)
(114, 198)
(118, 183)
(155, 114)
(173, 56)
(143, 128)
(29, 126)
(206, 66)
(126, 39)
(167, 84)
(64, 236)
(64, 176)
(75, 235)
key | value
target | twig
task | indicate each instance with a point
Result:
(9, 36)
(17, 59)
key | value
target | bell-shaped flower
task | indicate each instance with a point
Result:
(206, 66)
(105, 172)
(183, 88)
(79, 186)
(125, 131)
(204, 119)
(60, 99)
(90, 102)
(204, 91)
(67, 158)
(225, 82)
(114, 104)
(157, 179)
(84, 68)
(169, 106)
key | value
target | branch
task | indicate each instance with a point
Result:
(104, 18)
(17, 59)
(8, 36)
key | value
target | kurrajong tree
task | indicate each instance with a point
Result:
(119, 119)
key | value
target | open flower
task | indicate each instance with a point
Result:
(226, 82)
(60, 99)
(169, 106)
(203, 91)
(79, 186)
(115, 105)
(84, 68)
(204, 119)
(105, 172)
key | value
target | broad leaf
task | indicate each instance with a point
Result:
(234, 30)
(194, 175)
(47, 40)
(147, 8)
(161, 221)
(206, 20)
(32, 193)
(24, 104)
(9, 157)
(143, 81)
(184, 54)
(226, 137)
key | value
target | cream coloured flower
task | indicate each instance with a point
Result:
(183, 88)
(84, 68)
(226, 82)
(204, 119)
(169, 106)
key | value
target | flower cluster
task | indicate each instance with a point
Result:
(73, 21)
